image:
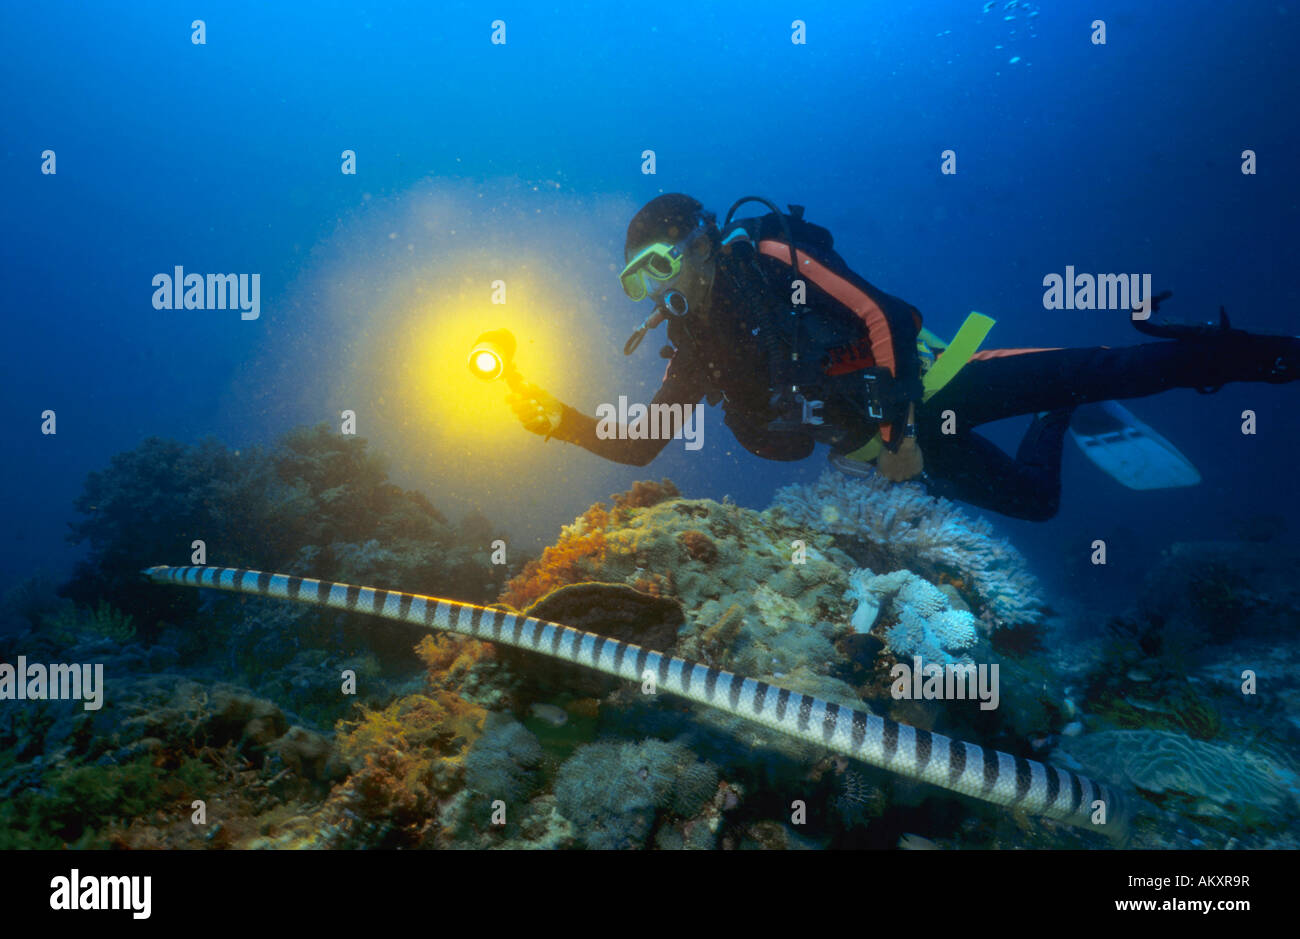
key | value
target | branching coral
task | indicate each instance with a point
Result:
(102, 621)
(926, 534)
(925, 623)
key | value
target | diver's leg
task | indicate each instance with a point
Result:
(972, 469)
(1005, 382)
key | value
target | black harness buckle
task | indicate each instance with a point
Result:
(872, 394)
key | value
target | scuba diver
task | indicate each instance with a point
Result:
(767, 319)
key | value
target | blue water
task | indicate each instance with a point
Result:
(225, 157)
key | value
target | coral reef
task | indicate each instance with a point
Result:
(88, 806)
(125, 776)
(505, 762)
(580, 550)
(925, 623)
(1199, 778)
(615, 793)
(614, 610)
(908, 528)
(493, 748)
(1214, 591)
(69, 624)
(317, 503)
(404, 760)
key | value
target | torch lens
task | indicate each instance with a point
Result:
(486, 363)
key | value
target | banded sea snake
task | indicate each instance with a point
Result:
(990, 775)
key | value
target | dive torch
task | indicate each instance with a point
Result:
(493, 356)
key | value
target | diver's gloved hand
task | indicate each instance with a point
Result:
(538, 410)
(903, 465)
(906, 462)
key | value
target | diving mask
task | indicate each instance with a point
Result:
(654, 266)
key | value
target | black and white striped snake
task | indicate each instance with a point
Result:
(985, 774)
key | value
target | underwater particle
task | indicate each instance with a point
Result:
(550, 714)
(990, 5)
(911, 842)
(1014, 59)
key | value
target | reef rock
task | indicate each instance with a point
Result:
(1193, 776)
(1221, 590)
(615, 610)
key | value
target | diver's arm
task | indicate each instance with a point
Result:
(546, 415)
(576, 427)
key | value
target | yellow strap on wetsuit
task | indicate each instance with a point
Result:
(955, 356)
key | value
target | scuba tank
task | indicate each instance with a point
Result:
(788, 372)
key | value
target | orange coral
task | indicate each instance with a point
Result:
(571, 560)
(643, 494)
(651, 585)
(449, 657)
(699, 546)
(580, 552)
(405, 758)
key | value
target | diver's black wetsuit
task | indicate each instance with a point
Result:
(1009, 382)
(718, 357)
